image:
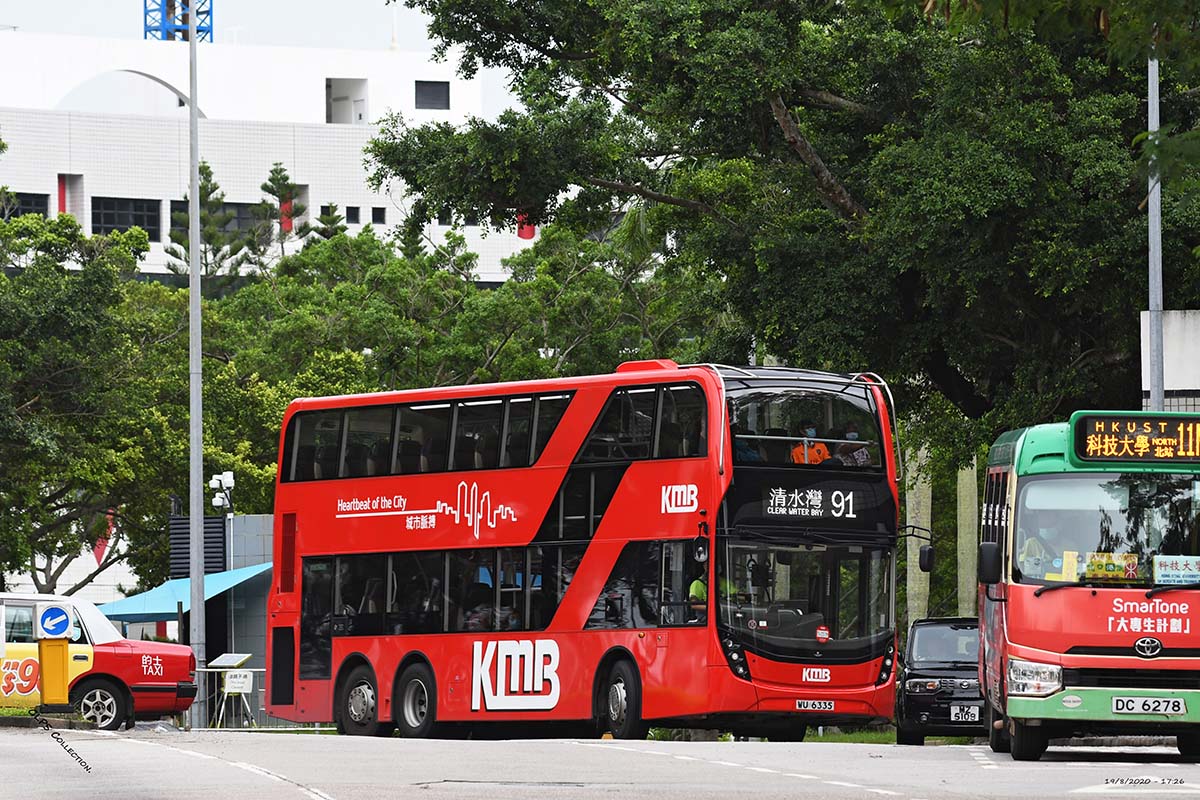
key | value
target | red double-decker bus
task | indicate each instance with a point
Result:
(542, 552)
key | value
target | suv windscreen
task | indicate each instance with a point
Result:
(941, 644)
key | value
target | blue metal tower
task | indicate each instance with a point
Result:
(168, 20)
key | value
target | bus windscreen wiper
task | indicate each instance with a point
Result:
(1050, 587)
(1171, 587)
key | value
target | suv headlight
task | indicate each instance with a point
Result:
(1032, 679)
(921, 685)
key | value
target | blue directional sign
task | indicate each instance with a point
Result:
(54, 621)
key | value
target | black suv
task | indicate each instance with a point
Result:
(937, 692)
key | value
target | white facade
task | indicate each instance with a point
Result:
(309, 109)
(1181, 360)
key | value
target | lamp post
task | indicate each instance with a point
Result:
(222, 486)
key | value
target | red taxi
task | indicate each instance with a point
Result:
(114, 680)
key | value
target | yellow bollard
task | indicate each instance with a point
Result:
(52, 629)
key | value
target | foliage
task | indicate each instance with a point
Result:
(221, 249)
(330, 222)
(955, 207)
(275, 220)
(77, 434)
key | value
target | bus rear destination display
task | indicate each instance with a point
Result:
(1154, 439)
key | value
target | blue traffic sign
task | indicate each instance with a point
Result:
(55, 621)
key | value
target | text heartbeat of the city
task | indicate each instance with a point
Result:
(471, 508)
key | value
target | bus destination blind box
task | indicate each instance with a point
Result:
(1143, 438)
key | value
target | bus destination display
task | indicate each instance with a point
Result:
(1160, 439)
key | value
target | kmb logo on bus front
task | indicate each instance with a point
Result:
(679, 498)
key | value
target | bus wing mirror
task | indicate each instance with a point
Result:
(926, 558)
(700, 549)
(989, 563)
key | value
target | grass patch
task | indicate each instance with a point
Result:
(14, 712)
(878, 736)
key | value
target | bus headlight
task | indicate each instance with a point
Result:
(1032, 679)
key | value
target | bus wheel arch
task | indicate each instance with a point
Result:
(356, 699)
(618, 696)
(414, 697)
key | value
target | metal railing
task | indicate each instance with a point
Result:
(242, 710)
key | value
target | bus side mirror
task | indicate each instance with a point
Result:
(989, 563)
(926, 558)
(700, 549)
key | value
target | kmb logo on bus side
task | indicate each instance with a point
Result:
(523, 668)
(679, 498)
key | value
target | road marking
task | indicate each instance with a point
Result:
(266, 773)
(763, 769)
(802, 775)
(725, 763)
(843, 783)
(687, 758)
(882, 791)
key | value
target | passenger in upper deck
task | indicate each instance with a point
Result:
(853, 453)
(809, 450)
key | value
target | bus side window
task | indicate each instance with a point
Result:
(518, 433)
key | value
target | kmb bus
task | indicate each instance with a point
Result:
(543, 552)
(1089, 570)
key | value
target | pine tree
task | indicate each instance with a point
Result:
(329, 224)
(221, 249)
(275, 218)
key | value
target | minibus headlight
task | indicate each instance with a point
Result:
(1032, 679)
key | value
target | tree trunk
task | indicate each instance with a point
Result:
(919, 504)
(968, 527)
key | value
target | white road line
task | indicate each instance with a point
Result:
(725, 763)
(882, 791)
(843, 783)
(266, 773)
(687, 758)
(763, 769)
(801, 775)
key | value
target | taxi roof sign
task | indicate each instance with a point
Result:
(1135, 437)
(52, 621)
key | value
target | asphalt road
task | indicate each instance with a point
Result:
(149, 763)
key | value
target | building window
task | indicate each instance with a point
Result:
(326, 211)
(25, 203)
(378, 216)
(351, 215)
(433, 94)
(110, 214)
(241, 217)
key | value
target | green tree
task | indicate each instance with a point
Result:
(221, 249)
(330, 223)
(951, 207)
(275, 220)
(77, 438)
(8, 202)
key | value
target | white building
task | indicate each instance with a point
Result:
(98, 128)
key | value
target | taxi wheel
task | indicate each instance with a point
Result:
(358, 705)
(622, 703)
(100, 702)
(1188, 744)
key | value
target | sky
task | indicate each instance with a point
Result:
(298, 23)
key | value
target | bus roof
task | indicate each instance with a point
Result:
(1060, 446)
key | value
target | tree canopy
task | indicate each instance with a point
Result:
(954, 206)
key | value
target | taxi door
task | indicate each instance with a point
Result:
(19, 668)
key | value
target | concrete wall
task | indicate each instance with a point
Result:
(250, 544)
(1181, 359)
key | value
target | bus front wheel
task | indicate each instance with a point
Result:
(1028, 742)
(1189, 744)
(416, 702)
(358, 706)
(997, 735)
(623, 703)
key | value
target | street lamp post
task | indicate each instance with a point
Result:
(222, 486)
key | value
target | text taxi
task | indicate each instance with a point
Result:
(113, 680)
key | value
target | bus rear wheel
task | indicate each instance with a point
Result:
(416, 702)
(1189, 744)
(623, 703)
(1028, 742)
(358, 706)
(997, 735)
